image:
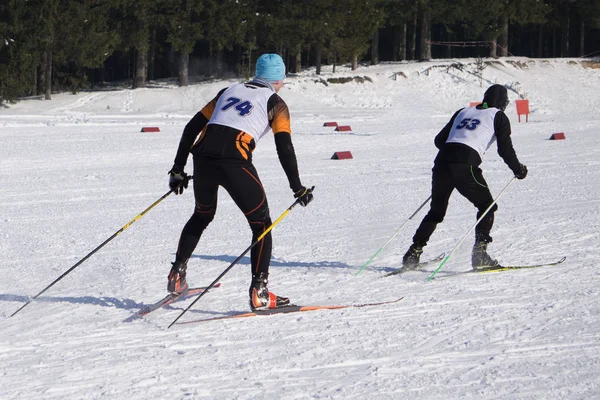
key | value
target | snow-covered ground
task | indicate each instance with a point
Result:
(74, 170)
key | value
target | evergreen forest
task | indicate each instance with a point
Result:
(48, 46)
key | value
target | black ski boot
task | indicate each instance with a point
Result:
(261, 298)
(480, 258)
(412, 257)
(177, 283)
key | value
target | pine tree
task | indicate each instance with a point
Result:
(359, 20)
(184, 26)
(137, 19)
(13, 57)
(229, 25)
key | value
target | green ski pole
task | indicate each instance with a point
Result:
(393, 236)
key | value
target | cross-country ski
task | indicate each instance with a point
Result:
(421, 265)
(289, 309)
(168, 299)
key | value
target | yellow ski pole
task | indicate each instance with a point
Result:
(117, 233)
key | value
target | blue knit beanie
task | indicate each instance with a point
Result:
(270, 67)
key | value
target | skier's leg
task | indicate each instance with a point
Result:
(472, 185)
(441, 189)
(246, 190)
(205, 194)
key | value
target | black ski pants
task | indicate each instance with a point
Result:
(242, 183)
(469, 182)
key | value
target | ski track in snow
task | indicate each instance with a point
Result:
(74, 170)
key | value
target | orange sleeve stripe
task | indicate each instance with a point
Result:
(281, 125)
(209, 108)
(281, 118)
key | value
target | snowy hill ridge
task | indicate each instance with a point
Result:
(74, 170)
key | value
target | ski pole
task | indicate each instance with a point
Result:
(469, 231)
(127, 225)
(394, 235)
(286, 212)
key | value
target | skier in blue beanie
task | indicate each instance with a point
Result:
(270, 67)
(230, 126)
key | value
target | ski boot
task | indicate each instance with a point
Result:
(177, 283)
(480, 258)
(261, 298)
(412, 257)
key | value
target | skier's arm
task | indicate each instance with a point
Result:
(287, 158)
(505, 147)
(279, 118)
(192, 130)
(190, 133)
(442, 136)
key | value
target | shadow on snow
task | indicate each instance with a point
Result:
(278, 263)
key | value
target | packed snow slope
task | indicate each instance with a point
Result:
(75, 170)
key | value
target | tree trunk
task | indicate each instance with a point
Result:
(493, 46)
(412, 49)
(318, 55)
(565, 25)
(151, 55)
(582, 39)
(425, 45)
(48, 72)
(34, 85)
(448, 49)
(171, 63)
(395, 43)
(354, 62)
(375, 48)
(219, 66)
(210, 60)
(504, 38)
(540, 52)
(141, 68)
(334, 60)
(298, 60)
(403, 36)
(184, 63)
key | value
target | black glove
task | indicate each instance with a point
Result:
(178, 180)
(304, 195)
(521, 173)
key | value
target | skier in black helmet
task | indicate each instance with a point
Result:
(462, 144)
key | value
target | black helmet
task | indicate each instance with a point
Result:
(496, 96)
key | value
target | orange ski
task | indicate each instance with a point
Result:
(289, 309)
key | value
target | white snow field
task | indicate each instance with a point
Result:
(75, 170)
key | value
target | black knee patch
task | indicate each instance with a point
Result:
(492, 210)
(202, 219)
(433, 216)
(259, 226)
